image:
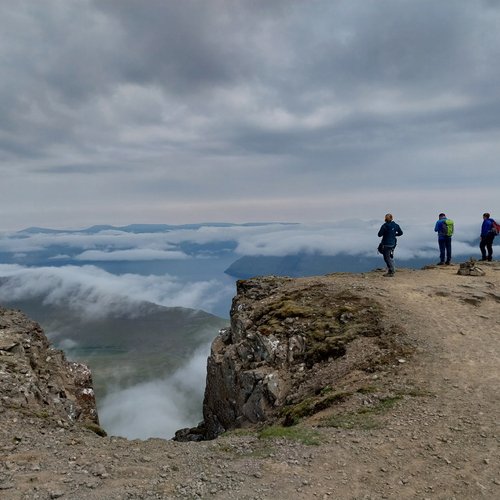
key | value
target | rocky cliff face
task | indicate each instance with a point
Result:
(37, 379)
(292, 347)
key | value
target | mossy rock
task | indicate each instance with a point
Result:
(97, 429)
(309, 406)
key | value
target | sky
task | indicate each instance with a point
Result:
(161, 111)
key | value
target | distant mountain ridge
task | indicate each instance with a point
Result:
(310, 264)
(146, 228)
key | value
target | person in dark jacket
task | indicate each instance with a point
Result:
(389, 232)
(487, 237)
(444, 240)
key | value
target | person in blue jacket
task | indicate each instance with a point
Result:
(389, 232)
(487, 237)
(444, 240)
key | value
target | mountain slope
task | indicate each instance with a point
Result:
(146, 342)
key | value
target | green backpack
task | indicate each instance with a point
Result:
(447, 227)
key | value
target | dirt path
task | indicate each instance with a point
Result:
(452, 447)
(444, 442)
(440, 439)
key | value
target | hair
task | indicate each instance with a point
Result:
(486, 214)
(388, 217)
(442, 215)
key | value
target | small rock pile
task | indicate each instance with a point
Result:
(470, 268)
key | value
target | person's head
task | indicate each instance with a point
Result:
(442, 216)
(388, 217)
(486, 215)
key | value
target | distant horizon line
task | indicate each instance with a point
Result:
(189, 225)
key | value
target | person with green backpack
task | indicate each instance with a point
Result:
(444, 228)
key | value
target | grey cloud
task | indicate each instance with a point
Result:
(179, 46)
(90, 291)
(160, 407)
(140, 254)
(186, 102)
(351, 236)
(85, 169)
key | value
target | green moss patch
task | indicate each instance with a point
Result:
(96, 428)
(296, 433)
(309, 406)
(327, 321)
(365, 418)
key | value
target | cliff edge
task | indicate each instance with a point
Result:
(37, 379)
(296, 347)
(376, 388)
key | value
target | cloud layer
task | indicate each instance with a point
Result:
(160, 407)
(93, 292)
(242, 110)
(352, 236)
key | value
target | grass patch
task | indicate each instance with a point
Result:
(312, 405)
(328, 322)
(383, 405)
(242, 431)
(42, 414)
(95, 428)
(300, 434)
(365, 418)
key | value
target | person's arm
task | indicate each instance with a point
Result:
(485, 227)
(399, 231)
(381, 230)
(437, 227)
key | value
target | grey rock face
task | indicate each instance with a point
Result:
(37, 378)
(280, 348)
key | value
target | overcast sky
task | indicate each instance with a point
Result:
(121, 111)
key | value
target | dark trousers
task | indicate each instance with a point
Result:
(445, 248)
(487, 244)
(388, 253)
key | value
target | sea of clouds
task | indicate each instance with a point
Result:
(354, 237)
(70, 268)
(91, 291)
(160, 407)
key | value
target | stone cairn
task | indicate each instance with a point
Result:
(470, 268)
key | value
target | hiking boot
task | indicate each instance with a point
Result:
(440, 264)
(388, 275)
(447, 263)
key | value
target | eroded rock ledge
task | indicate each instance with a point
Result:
(37, 379)
(294, 347)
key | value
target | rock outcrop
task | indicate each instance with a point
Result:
(289, 351)
(37, 379)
